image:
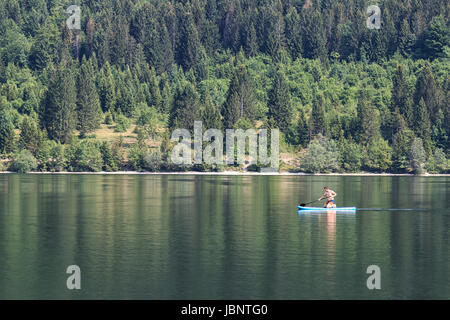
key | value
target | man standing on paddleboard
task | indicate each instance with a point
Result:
(329, 194)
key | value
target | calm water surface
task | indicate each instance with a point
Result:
(222, 237)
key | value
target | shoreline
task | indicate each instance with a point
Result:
(236, 173)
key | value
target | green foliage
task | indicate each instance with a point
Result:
(280, 108)
(401, 146)
(84, 155)
(6, 132)
(297, 133)
(149, 120)
(152, 161)
(352, 156)
(108, 118)
(190, 44)
(417, 156)
(186, 108)
(368, 121)
(244, 124)
(111, 161)
(14, 48)
(379, 155)
(438, 163)
(240, 102)
(106, 88)
(436, 38)
(31, 137)
(314, 40)
(88, 102)
(211, 116)
(322, 155)
(427, 88)
(400, 98)
(46, 46)
(422, 125)
(51, 156)
(59, 105)
(126, 95)
(122, 123)
(439, 134)
(23, 162)
(406, 38)
(318, 123)
(135, 157)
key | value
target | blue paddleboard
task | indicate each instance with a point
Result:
(326, 209)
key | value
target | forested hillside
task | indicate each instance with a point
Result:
(107, 96)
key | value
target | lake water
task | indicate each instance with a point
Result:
(222, 237)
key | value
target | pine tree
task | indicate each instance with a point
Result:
(302, 129)
(280, 108)
(275, 37)
(446, 111)
(88, 102)
(201, 68)
(185, 109)
(2, 69)
(439, 135)
(388, 34)
(59, 105)
(126, 95)
(400, 95)
(166, 98)
(106, 88)
(317, 121)
(166, 49)
(401, 146)
(422, 125)
(46, 46)
(198, 13)
(428, 89)
(293, 33)
(436, 38)
(121, 39)
(211, 113)
(313, 35)
(368, 121)
(158, 47)
(298, 132)
(378, 50)
(210, 37)
(189, 48)
(231, 34)
(349, 42)
(251, 41)
(156, 98)
(406, 39)
(6, 132)
(31, 137)
(109, 161)
(241, 99)
(89, 43)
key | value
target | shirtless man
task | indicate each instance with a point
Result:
(329, 194)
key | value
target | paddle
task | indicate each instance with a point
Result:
(304, 204)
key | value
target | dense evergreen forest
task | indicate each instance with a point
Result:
(106, 97)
